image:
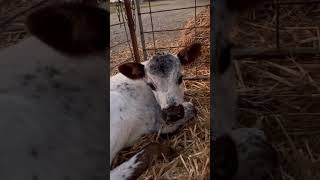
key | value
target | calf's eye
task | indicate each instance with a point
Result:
(180, 80)
(151, 86)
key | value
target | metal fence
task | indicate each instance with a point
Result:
(122, 22)
(148, 48)
(153, 31)
(137, 24)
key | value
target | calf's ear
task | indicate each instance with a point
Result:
(132, 70)
(72, 28)
(190, 53)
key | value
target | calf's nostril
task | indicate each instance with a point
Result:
(181, 108)
(173, 113)
(164, 114)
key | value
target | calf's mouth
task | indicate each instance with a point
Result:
(173, 113)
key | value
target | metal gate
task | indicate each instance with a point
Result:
(131, 18)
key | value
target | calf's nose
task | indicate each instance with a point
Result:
(173, 113)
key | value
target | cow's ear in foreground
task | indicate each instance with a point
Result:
(132, 70)
(72, 28)
(190, 53)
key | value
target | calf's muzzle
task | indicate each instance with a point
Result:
(173, 113)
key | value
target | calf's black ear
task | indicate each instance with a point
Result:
(132, 70)
(72, 28)
(190, 53)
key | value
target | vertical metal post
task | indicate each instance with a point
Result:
(195, 19)
(132, 30)
(195, 28)
(154, 41)
(143, 43)
(277, 24)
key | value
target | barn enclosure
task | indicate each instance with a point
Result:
(139, 29)
(276, 66)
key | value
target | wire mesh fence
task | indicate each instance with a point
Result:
(282, 25)
(153, 36)
(155, 30)
(12, 15)
(159, 27)
(120, 27)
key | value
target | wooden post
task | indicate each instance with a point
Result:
(132, 31)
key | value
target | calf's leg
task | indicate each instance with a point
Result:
(140, 162)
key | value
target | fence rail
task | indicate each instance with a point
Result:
(276, 51)
(150, 12)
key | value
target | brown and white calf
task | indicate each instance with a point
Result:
(242, 153)
(148, 98)
(53, 96)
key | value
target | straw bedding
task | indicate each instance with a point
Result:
(281, 95)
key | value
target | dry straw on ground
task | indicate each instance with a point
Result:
(283, 94)
(192, 141)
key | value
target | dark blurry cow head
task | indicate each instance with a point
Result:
(227, 13)
(71, 28)
(52, 89)
(241, 153)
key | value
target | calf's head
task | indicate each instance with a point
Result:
(163, 74)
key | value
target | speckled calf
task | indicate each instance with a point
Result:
(147, 98)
